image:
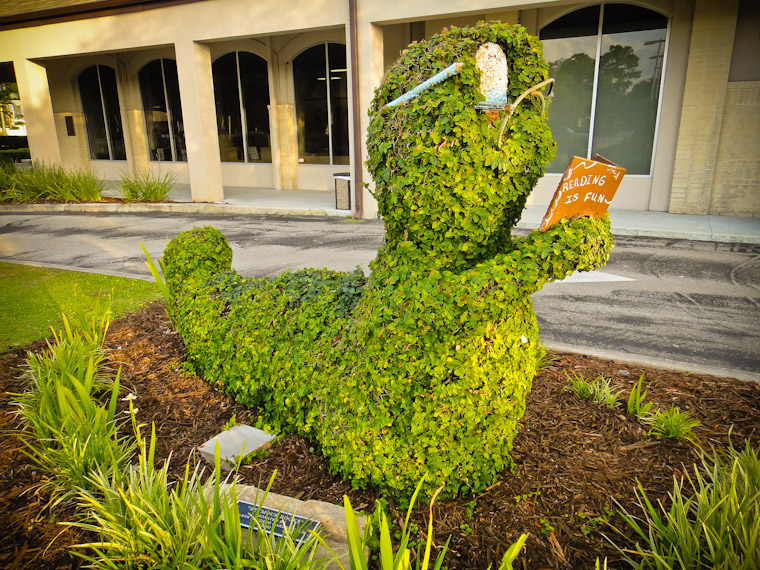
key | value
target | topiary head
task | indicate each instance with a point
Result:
(448, 187)
(194, 256)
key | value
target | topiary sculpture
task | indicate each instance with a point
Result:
(425, 365)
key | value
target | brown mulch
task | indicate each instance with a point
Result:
(575, 460)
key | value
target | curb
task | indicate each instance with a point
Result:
(170, 208)
(642, 360)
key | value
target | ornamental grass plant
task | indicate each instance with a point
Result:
(69, 409)
(637, 404)
(50, 183)
(146, 186)
(712, 519)
(400, 557)
(672, 423)
(145, 521)
(600, 389)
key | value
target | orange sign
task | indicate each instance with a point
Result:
(586, 189)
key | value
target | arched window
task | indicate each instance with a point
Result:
(321, 88)
(159, 86)
(102, 115)
(241, 91)
(608, 64)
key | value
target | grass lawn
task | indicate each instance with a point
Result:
(33, 298)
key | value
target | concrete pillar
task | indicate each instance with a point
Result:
(283, 121)
(34, 92)
(712, 41)
(370, 40)
(356, 140)
(134, 122)
(274, 131)
(196, 90)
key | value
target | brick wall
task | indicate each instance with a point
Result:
(736, 184)
(703, 105)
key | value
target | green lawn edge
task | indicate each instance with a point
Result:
(33, 298)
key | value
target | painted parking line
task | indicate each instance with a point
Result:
(593, 277)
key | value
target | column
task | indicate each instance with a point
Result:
(34, 92)
(712, 41)
(371, 69)
(196, 90)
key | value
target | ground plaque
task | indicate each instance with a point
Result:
(586, 189)
(276, 522)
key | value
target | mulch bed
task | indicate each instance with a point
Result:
(575, 459)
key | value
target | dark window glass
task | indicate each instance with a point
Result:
(254, 82)
(113, 112)
(241, 89)
(102, 116)
(92, 105)
(321, 88)
(577, 24)
(156, 111)
(175, 107)
(339, 102)
(227, 97)
(163, 112)
(310, 79)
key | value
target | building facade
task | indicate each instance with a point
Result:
(274, 94)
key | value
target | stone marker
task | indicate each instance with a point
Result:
(331, 517)
(234, 442)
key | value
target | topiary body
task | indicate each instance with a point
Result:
(424, 366)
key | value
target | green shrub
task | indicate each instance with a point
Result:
(424, 366)
(146, 186)
(712, 521)
(51, 183)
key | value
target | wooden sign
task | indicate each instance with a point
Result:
(586, 189)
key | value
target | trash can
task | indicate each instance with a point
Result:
(342, 190)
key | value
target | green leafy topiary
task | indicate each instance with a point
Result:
(425, 365)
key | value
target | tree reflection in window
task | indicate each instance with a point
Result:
(241, 92)
(163, 112)
(608, 62)
(321, 88)
(102, 114)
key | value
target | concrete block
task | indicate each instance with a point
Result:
(236, 441)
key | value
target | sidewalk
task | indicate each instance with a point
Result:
(248, 201)
(664, 225)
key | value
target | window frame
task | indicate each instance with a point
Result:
(110, 143)
(329, 102)
(243, 111)
(597, 65)
(170, 115)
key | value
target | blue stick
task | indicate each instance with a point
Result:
(453, 69)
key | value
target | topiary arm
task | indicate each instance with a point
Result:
(578, 245)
